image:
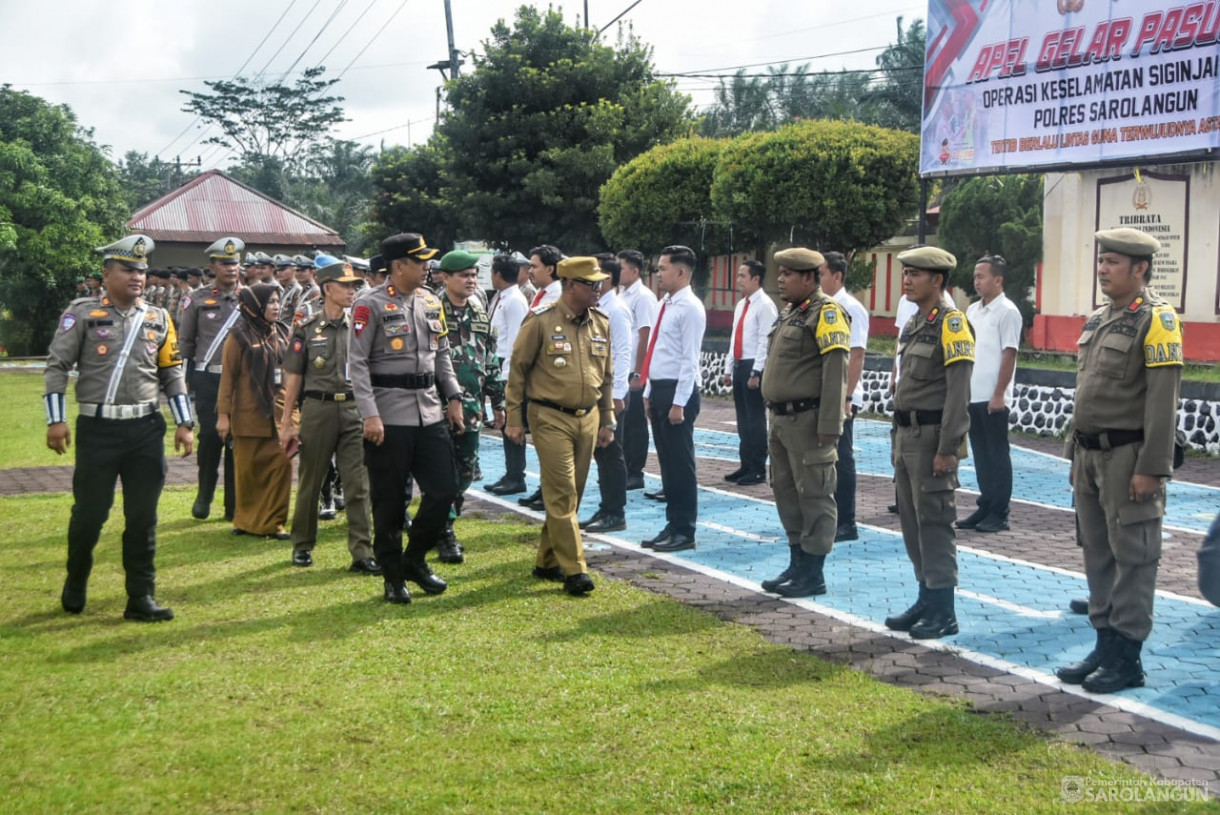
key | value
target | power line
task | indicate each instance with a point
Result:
(778, 61)
(309, 45)
(618, 17)
(356, 22)
(308, 14)
(373, 39)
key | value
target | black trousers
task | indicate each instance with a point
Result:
(514, 454)
(106, 450)
(845, 468)
(675, 445)
(992, 458)
(635, 434)
(751, 419)
(206, 387)
(425, 453)
(612, 474)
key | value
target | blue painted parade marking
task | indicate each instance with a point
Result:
(1012, 613)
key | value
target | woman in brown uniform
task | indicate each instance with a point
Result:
(245, 407)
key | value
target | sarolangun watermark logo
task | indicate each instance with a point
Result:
(1077, 788)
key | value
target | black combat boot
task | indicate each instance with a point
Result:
(808, 580)
(1120, 667)
(939, 620)
(908, 618)
(416, 569)
(395, 588)
(794, 559)
(1076, 672)
(448, 550)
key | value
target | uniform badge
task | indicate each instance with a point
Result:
(186, 302)
(560, 362)
(67, 322)
(320, 362)
(1168, 321)
(150, 348)
(559, 328)
(211, 315)
(397, 343)
(102, 350)
(390, 290)
(98, 312)
(152, 335)
(830, 316)
(955, 323)
(103, 333)
(297, 345)
(209, 302)
(391, 307)
(360, 318)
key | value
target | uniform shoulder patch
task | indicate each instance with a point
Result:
(543, 309)
(67, 321)
(1163, 343)
(833, 332)
(956, 338)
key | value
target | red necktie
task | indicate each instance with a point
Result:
(652, 343)
(737, 335)
(538, 298)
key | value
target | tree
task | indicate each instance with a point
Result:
(59, 200)
(896, 98)
(269, 123)
(542, 121)
(336, 188)
(995, 215)
(410, 194)
(146, 179)
(825, 184)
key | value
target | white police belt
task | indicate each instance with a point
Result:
(213, 369)
(117, 411)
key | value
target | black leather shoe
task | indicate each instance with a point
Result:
(506, 487)
(992, 523)
(396, 592)
(448, 550)
(808, 580)
(201, 509)
(635, 482)
(365, 566)
(736, 474)
(892, 509)
(661, 537)
(597, 516)
(1120, 667)
(145, 610)
(536, 495)
(847, 532)
(282, 535)
(1077, 672)
(1078, 606)
(908, 618)
(302, 557)
(72, 599)
(795, 553)
(536, 506)
(578, 585)
(418, 572)
(656, 495)
(676, 543)
(548, 573)
(939, 620)
(972, 520)
(750, 479)
(238, 532)
(608, 522)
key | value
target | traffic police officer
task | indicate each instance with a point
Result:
(930, 426)
(125, 351)
(285, 274)
(207, 317)
(315, 373)
(472, 348)
(400, 372)
(311, 296)
(1129, 372)
(562, 359)
(804, 386)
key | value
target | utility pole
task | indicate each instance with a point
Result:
(454, 62)
(586, 13)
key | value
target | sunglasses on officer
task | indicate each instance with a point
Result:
(596, 285)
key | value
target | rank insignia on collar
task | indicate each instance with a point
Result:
(390, 290)
(1135, 304)
(932, 314)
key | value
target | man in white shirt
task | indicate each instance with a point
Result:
(753, 317)
(671, 394)
(544, 274)
(507, 310)
(833, 274)
(997, 325)
(611, 468)
(642, 304)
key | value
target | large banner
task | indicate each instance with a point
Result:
(1013, 84)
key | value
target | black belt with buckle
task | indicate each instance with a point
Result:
(410, 382)
(1107, 439)
(792, 408)
(330, 397)
(570, 411)
(907, 418)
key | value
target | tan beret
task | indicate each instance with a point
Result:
(580, 268)
(929, 258)
(1127, 241)
(800, 259)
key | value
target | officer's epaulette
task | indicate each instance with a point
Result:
(310, 319)
(430, 299)
(542, 309)
(88, 298)
(597, 310)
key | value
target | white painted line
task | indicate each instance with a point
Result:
(1024, 611)
(738, 532)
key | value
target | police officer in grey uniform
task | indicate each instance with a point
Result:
(285, 274)
(401, 375)
(125, 351)
(930, 426)
(804, 386)
(1128, 375)
(310, 299)
(208, 316)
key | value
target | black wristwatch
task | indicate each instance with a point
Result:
(456, 397)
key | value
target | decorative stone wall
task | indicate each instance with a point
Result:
(1043, 399)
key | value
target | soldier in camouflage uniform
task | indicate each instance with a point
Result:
(478, 372)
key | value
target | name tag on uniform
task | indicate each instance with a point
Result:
(319, 343)
(479, 326)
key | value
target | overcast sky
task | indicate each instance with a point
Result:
(119, 64)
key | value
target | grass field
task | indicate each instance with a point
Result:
(281, 689)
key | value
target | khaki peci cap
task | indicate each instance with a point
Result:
(1127, 241)
(928, 258)
(800, 259)
(581, 268)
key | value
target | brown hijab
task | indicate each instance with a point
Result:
(262, 342)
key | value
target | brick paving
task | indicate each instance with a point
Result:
(1038, 535)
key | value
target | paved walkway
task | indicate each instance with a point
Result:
(1014, 587)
